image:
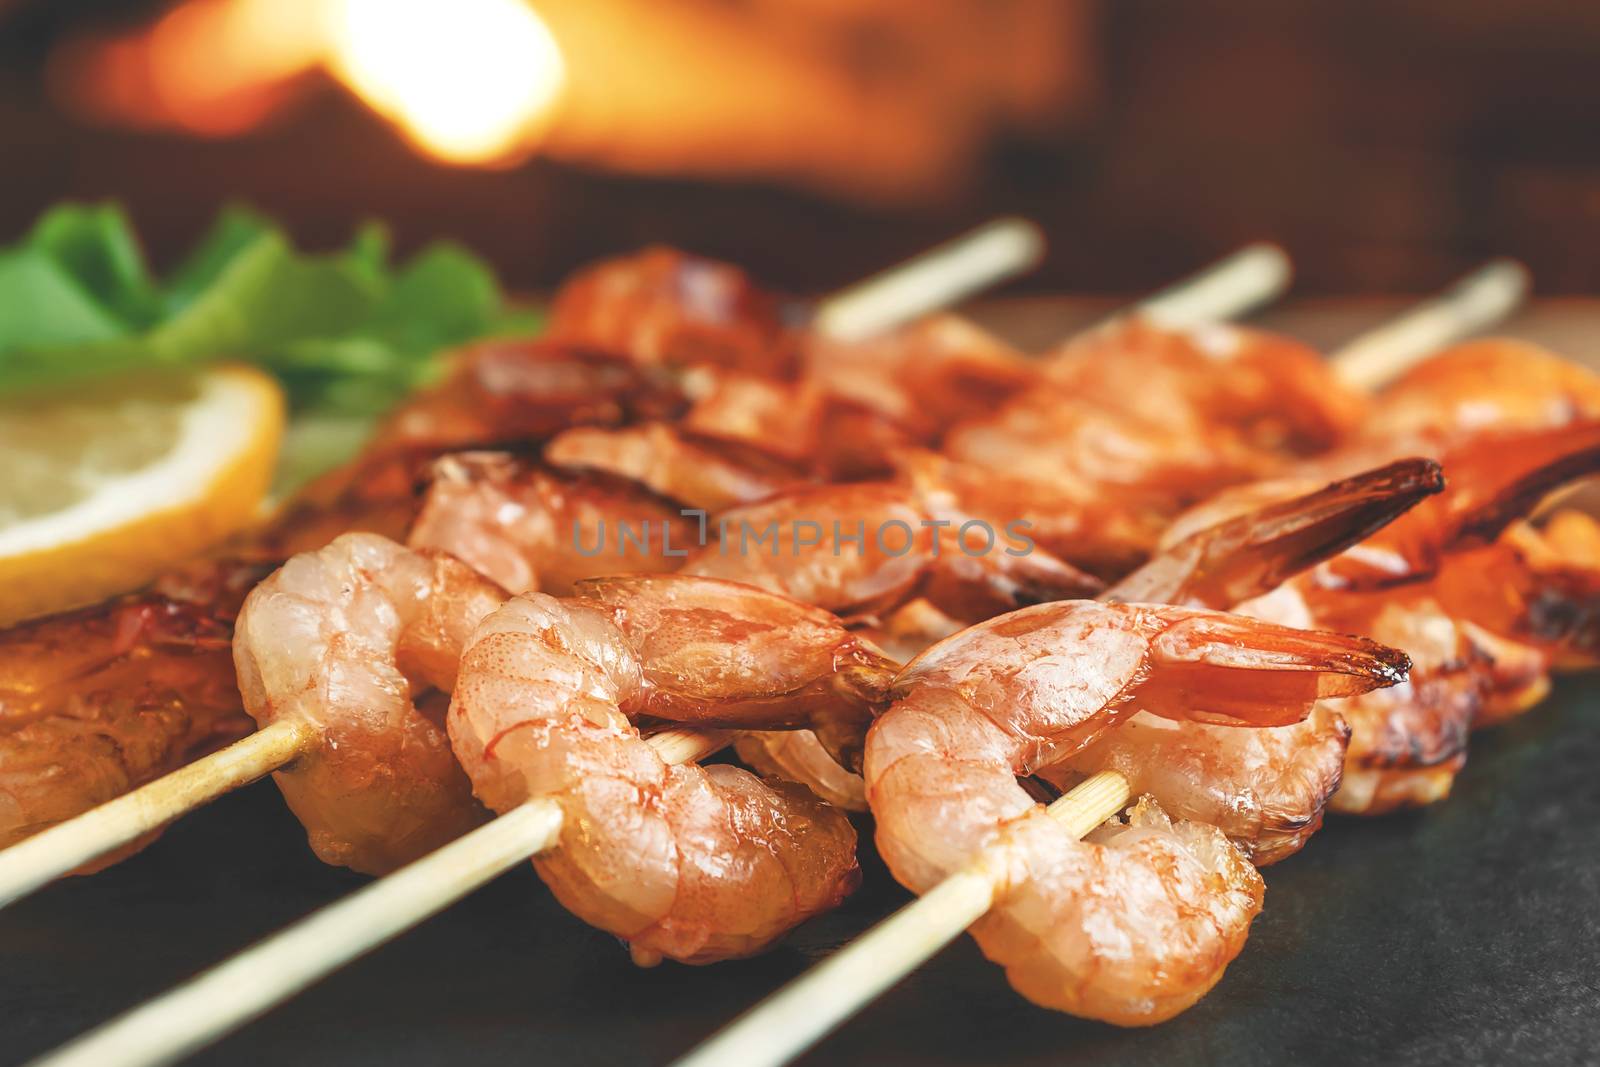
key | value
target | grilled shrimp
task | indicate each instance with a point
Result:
(858, 550)
(662, 307)
(700, 470)
(1407, 743)
(690, 863)
(1269, 392)
(1169, 414)
(746, 438)
(923, 378)
(1537, 585)
(1104, 531)
(361, 640)
(1469, 668)
(98, 701)
(1490, 385)
(526, 391)
(531, 528)
(1137, 924)
(1265, 788)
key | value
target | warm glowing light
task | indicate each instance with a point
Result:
(470, 81)
(208, 67)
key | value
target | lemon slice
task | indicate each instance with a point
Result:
(103, 488)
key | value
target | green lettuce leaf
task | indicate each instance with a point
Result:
(348, 333)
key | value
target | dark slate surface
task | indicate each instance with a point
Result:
(1467, 933)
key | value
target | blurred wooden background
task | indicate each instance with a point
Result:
(1388, 143)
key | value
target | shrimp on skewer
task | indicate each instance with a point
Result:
(1469, 667)
(1266, 788)
(1493, 385)
(862, 550)
(1168, 414)
(853, 404)
(99, 701)
(1537, 585)
(701, 470)
(360, 641)
(505, 393)
(528, 527)
(690, 863)
(96, 702)
(665, 308)
(1135, 925)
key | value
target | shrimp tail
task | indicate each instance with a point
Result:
(862, 686)
(1252, 554)
(1502, 479)
(1232, 670)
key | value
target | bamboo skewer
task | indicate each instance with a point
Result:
(793, 1019)
(1231, 288)
(1474, 303)
(35, 861)
(919, 286)
(938, 278)
(243, 987)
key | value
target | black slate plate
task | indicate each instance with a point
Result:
(1466, 933)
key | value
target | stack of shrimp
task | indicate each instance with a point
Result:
(1198, 472)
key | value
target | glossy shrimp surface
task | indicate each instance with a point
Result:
(98, 701)
(662, 307)
(1073, 518)
(700, 470)
(1264, 391)
(1169, 414)
(684, 862)
(1495, 384)
(869, 548)
(501, 391)
(1408, 743)
(532, 528)
(1537, 585)
(1136, 924)
(1265, 788)
(361, 640)
(923, 378)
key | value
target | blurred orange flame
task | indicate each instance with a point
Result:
(467, 81)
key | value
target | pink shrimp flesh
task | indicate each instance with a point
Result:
(1137, 925)
(661, 307)
(532, 528)
(690, 863)
(699, 470)
(361, 639)
(869, 548)
(1494, 385)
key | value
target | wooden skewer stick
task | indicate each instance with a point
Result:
(67, 846)
(234, 992)
(938, 278)
(1474, 303)
(1231, 288)
(797, 1016)
(988, 255)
